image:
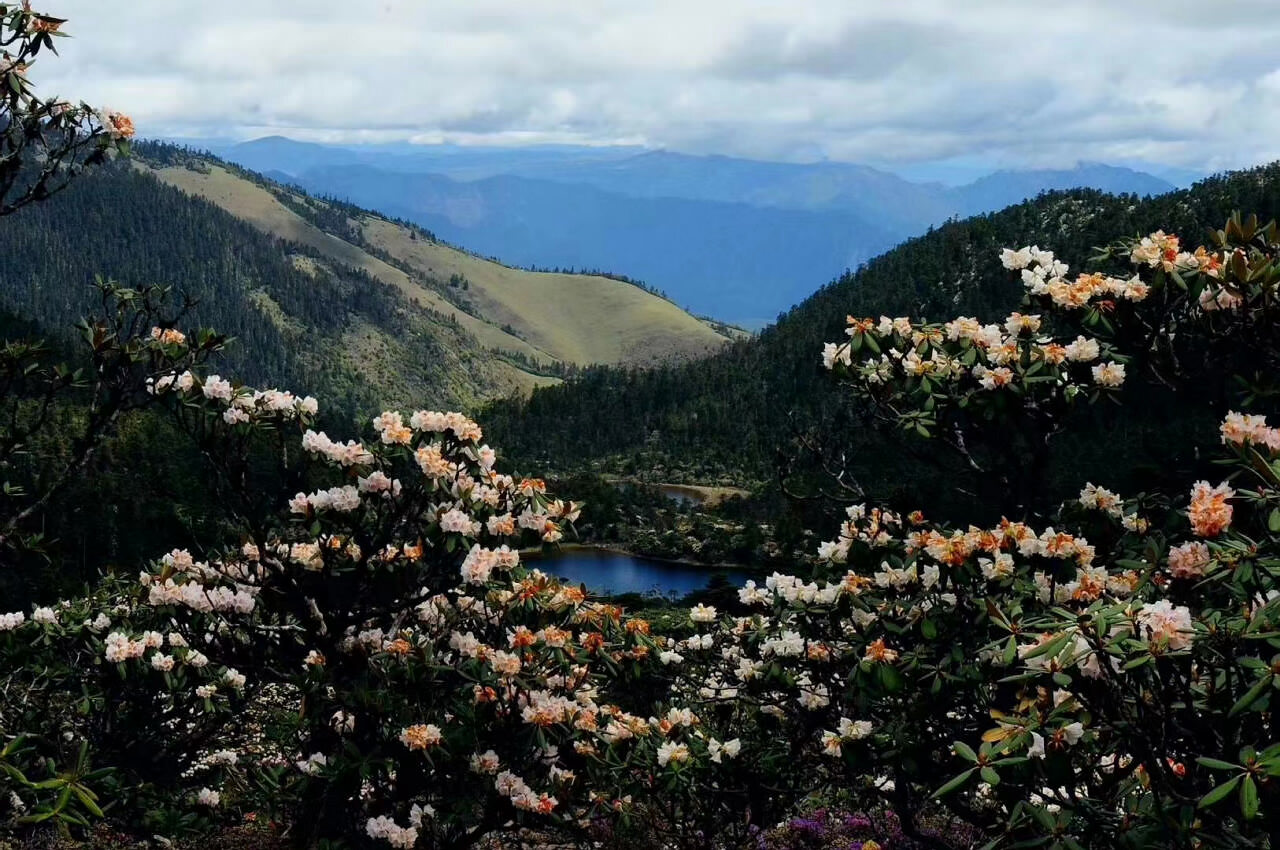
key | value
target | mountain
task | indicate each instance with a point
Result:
(728, 260)
(1003, 188)
(728, 415)
(326, 297)
(465, 162)
(738, 239)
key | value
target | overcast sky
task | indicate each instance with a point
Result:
(1191, 83)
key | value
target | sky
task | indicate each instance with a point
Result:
(914, 85)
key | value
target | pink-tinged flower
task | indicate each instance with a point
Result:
(1243, 429)
(1189, 560)
(1210, 514)
(454, 521)
(1018, 323)
(392, 429)
(1164, 622)
(168, 336)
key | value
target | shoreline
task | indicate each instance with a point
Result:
(706, 495)
(539, 554)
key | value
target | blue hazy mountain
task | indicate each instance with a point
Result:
(999, 190)
(736, 262)
(738, 239)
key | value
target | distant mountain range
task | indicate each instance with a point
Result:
(736, 239)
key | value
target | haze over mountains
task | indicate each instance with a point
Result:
(739, 240)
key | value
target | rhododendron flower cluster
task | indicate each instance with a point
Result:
(1210, 512)
(1241, 429)
(442, 598)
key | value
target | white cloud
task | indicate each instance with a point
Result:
(1014, 82)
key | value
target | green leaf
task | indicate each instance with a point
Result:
(955, 783)
(1273, 520)
(1218, 793)
(1248, 798)
(1049, 647)
(1251, 696)
(989, 776)
(1217, 764)
(965, 751)
(86, 801)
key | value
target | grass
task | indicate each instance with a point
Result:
(254, 204)
(579, 319)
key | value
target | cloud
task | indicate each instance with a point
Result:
(1010, 82)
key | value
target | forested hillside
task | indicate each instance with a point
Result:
(295, 317)
(323, 296)
(728, 415)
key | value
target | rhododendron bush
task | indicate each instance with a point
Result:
(368, 657)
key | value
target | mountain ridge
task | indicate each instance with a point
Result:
(663, 217)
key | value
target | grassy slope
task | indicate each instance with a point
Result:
(252, 203)
(579, 319)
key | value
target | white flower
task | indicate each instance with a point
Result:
(671, 751)
(312, 764)
(208, 797)
(1018, 259)
(1108, 374)
(417, 814)
(703, 613)
(486, 762)
(161, 662)
(397, 836)
(854, 730)
(44, 615)
(716, 750)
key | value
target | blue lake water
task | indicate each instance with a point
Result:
(605, 572)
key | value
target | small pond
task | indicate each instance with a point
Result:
(605, 572)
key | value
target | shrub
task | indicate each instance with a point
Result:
(372, 663)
